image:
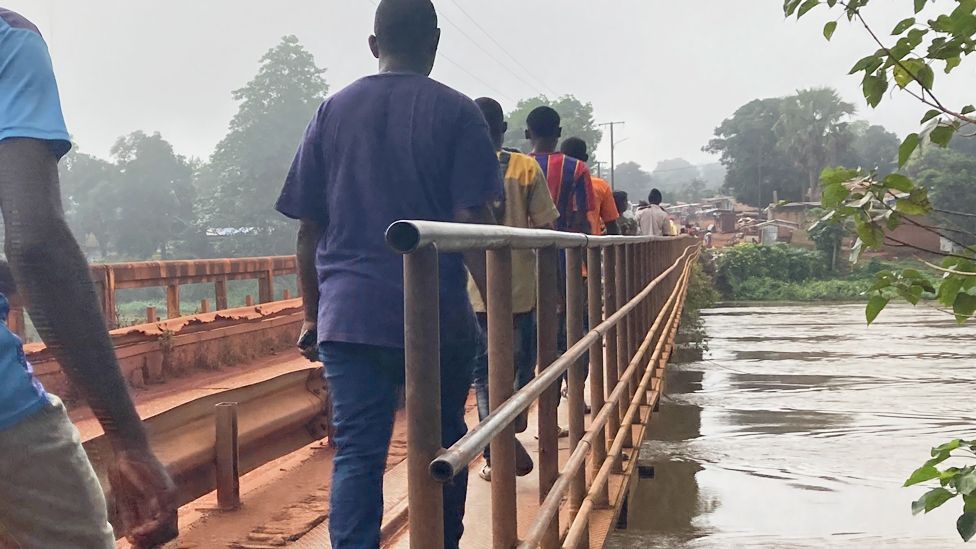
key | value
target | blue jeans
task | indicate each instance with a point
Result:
(363, 385)
(525, 359)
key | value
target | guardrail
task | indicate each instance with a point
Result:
(635, 313)
(205, 448)
(110, 277)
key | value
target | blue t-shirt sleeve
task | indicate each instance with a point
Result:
(29, 103)
(303, 195)
(475, 178)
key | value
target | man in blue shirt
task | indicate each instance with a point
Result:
(394, 145)
(49, 495)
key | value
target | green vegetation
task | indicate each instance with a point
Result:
(932, 189)
(692, 340)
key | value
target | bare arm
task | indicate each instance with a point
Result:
(475, 261)
(51, 270)
(309, 234)
(49, 267)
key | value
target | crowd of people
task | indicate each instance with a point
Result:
(393, 145)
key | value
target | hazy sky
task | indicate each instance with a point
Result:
(672, 69)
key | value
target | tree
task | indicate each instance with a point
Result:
(813, 130)
(755, 163)
(874, 148)
(633, 180)
(88, 188)
(673, 174)
(877, 205)
(247, 168)
(950, 177)
(154, 202)
(577, 121)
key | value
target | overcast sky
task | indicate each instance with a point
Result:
(672, 69)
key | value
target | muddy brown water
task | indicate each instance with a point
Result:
(799, 427)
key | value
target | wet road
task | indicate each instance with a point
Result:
(799, 428)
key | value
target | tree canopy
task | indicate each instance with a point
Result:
(246, 170)
(577, 121)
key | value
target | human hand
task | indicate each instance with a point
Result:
(145, 498)
(308, 342)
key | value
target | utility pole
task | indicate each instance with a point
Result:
(612, 145)
(599, 168)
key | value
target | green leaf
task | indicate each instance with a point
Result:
(966, 526)
(909, 207)
(920, 5)
(949, 289)
(969, 504)
(952, 62)
(964, 306)
(907, 147)
(899, 182)
(968, 109)
(931, 500)
(903, 26)
(834, 195)
(876, 304)
(874, 88)
(966, 484)
(866, 62)
(806, 6)
(930, 115)
(926, 76)
(947, 447)
(941, 135)
(922, 474)
(828, 30)
(789, 7)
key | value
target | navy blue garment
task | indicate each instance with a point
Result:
(388, 147)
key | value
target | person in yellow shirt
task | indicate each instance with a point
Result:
(602, 214)
(527, 205)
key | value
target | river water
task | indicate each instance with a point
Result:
(799, 427)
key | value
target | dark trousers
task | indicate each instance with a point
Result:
(525, 359)
(363, 385)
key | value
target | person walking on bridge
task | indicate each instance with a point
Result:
(569, 178)
(653, 218)
(394, 145)
(602, 214)
(49, 494)
(527, 205)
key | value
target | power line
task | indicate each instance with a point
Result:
(502, 48)
(487, 52)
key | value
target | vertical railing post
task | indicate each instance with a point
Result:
(151, 315)
(173, 301)
(623, 342)
(421, 304)
(594, 262)
(501, 382)
(227, 457)
(574, 332)
(204, 305)
(266, 287)
(547, 280)
(220, 294)
(610, 304)
(632, 335)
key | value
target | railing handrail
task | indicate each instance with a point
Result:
(407, 236)
(465, 451)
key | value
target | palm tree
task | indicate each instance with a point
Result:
(813, 130)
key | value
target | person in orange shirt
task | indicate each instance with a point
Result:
(602, 214)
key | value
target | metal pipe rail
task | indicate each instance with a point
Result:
(636, 286)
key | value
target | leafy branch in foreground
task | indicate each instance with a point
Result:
(953, 482)
(944, 38)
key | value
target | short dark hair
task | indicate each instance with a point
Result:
(543, 122)
(655, 197)
(404, 26)
(574, 147)
(621, 200)
(493, 113)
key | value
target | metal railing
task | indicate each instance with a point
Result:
(635, 288)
